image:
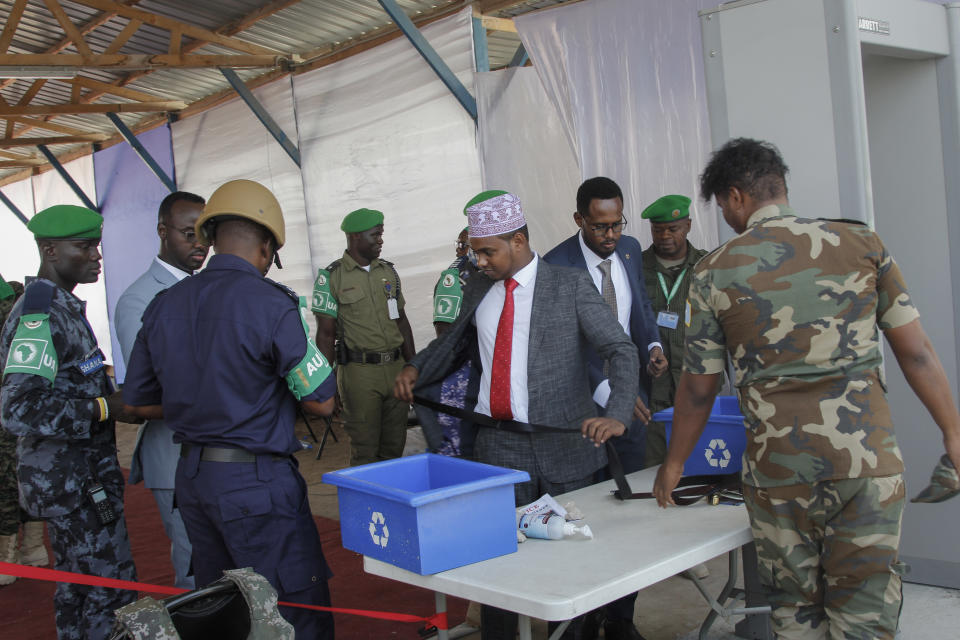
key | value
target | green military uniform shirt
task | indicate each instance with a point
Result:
(361, 300)
(797, 304)
(664, 388)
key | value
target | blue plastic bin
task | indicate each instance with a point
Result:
(427, 513)
(720, 447)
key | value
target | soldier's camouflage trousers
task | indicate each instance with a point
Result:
(82, 545)
(9, 496)
(828, 556)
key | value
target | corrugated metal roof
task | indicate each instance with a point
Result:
(318, 27)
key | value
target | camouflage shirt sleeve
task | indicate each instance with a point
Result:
(894, 306)
(705, 342)
(31, 406)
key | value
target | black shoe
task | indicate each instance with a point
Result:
(620, 630)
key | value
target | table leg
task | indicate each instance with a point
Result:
(753, 626)
(525, 627)
(441, 600)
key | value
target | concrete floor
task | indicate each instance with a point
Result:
(670, 610)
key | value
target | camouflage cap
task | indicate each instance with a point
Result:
(361, 220)
(944, 483)
(668, 209)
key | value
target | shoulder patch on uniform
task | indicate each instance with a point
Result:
(333, 266)
(323, 300)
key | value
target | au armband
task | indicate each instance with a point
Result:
(31, 350)
(323, 300)
(447, 296)
(313, 369)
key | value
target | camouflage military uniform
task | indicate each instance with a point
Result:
(797, 303)
(61, 444)
(664, 388)
(9, 498)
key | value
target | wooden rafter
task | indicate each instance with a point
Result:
(11, 25)
(65, 42)
(110, 89)
(128, 30)
(139, 61)
(170, 24)
(19, 156)
(17, 164)
(68, 27)
(10, 143)
(125, 107)
(33, 123)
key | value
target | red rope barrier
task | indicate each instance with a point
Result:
(439, 620)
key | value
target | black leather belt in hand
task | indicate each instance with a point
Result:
(715, 487)
(372, 357)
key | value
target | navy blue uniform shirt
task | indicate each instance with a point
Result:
(214, 350)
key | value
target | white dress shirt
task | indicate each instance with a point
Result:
(621, 285)
(177, 273)
(487, 319)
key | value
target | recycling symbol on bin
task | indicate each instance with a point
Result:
(378, 523)
(717, 454)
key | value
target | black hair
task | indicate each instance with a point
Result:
(167, 204)
(598, 188)
(509, 236)
(753, 166)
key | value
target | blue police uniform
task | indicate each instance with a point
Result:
(219, 345)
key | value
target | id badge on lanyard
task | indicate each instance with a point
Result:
(669, 319)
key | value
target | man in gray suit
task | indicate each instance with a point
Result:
(155, 455)
(529, 325)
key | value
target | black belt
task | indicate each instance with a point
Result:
(715, 487)
(373, 357)
(224, 454)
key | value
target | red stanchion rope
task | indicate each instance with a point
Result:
(439, 620)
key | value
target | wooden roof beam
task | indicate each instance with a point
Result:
(170, 24)
(12, 143)
(61, 109)
(32, 123)
(139, 61)
(13, 20)
(104, 88)
(68, 27)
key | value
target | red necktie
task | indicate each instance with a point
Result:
(502, 350)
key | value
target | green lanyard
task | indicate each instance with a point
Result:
(676, 284)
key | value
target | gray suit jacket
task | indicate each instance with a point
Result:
(155, 455)
(568, 318)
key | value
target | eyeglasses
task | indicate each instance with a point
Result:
(600, 230)
(188, 234)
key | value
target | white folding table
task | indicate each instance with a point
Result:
(635, 544)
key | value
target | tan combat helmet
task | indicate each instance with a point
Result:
(243, 199)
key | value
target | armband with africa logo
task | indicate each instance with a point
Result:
(447, 296)
(323, 300)
(313, 369)
(31, 350)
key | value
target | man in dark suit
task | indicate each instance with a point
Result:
(613, 262)
(155, 454)
(529, 325)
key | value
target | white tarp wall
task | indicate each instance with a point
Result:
(626, 79)
(228, 143)
(380, 130)
(50, 189)
(523, 149)
(19, 257)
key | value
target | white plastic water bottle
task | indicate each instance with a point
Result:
(550, 526)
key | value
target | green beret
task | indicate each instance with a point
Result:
(668, 209)
(483, 196)
(6, 291)
(361, 220)
(66, 221)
